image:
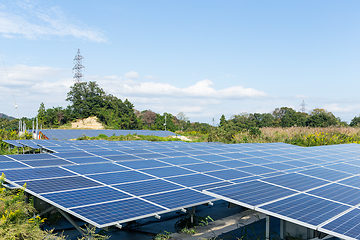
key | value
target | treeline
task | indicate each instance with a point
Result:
(88, 99)
(284, 117)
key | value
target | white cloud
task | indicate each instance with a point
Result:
(151, 77)
(132, 75)
(201, 89)
(32, 21)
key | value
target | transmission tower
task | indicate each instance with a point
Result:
(303, 106)
(77, 69)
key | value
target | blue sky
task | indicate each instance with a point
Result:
(203, 58)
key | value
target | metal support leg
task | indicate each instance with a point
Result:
(192, 213)
(71, 221)
(46, 211)
(267, 227)
(282, 229)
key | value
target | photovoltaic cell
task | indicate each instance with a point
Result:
(96, 168)
(120, 177)
(36, 173)
(339, 193)
(229, 174)
(307, 209)
(296, 181)
(252, 193)
(117, 212)
(326, 174)
(193, 180)
(204, 167)
(11, 165)
(179, 198)
(47, 163)
(141, 164)
(147, 187)
(59, 184)
(348, 224)
(257, 170)
(85, 196)
(181, 160)
(167, 171)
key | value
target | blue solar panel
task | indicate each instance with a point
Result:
(167, 171)
(326, 174)
(212, 158)
(85, 196)
(179, 198)
(59, 184)
(120, 177)
(236, 155)
(73, 155)
(175, 154)
(96, 168)
(296, 181)
(256, 160)
(345, 168)
(229, 174)
(233, 163)
(203, 167)
(252, 193)
(257, 170)
(279, 166)
(193, 180)
(36, 173)
(147, 187)
(347, 225)
(123, 157)
(46, 163)
(89, 160)
(339, 193)
(298, 163)
(181, 160)
(307, 209)
(32, 156)
(141, 164)
(12, 164)
(258, 154)
(108, 214)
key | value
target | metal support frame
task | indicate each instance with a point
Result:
(267, 227)
(282, 229)
(192, 214)
(46, 211)
(71, 221)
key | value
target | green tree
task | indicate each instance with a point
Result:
(41, 114)
(222, 120)
(355, 122)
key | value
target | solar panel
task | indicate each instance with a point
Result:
(309, 186)
(306, 210)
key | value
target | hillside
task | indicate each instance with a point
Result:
(3, 115)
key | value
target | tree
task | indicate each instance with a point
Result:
(321, 118)
(41, 114)
(182, 119)
(355, 122)
(222, 120)
(148, 118)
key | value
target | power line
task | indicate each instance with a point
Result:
(78, 76)
(303, 106)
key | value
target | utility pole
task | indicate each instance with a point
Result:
(303, 106)
(77, 69)
(165, 123)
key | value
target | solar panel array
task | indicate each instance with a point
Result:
(105, 182)
(67, 134)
